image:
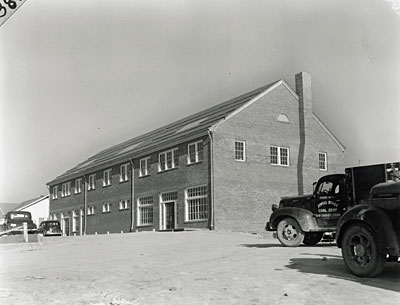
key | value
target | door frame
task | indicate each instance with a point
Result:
(163, 215)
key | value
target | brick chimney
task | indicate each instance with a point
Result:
(303, 90)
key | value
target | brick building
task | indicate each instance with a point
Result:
(221, 168)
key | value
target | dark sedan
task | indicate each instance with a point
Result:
(50, 228)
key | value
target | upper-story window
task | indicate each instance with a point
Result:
(322, 161)
(195, 152)
(106, 207)
(240, 151)
(66, 189)
(124, 173)
(107, 177)
(54, 195)
(144, 167)
(124, 204)
(92, 182)
(78, 186)
(168, 159)
(279, 155)
(90, 210)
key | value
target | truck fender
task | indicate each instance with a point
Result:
(304, 217)
(377, 220)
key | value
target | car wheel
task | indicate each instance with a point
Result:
(360, 251)
(289, 232)
(312, 238)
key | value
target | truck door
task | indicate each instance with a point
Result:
(329, 200)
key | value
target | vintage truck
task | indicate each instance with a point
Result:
(369, 233)
(305, 219)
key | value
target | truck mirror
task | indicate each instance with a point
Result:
(313, 186)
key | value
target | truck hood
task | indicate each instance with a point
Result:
(295, 201)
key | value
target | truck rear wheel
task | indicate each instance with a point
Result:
(289, 232)
(312, 238)
(360, 251)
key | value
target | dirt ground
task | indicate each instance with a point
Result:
(190, 267)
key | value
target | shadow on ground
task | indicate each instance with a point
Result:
(333, 266)
(278, 245)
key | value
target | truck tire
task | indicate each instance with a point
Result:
(289, 232)
(312, 238)
(360, 251)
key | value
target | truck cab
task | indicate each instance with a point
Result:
(305, 218)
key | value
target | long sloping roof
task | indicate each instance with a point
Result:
(29, 202)
(190, 127)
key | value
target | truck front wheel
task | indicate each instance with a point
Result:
(360, 251)
(289, 232)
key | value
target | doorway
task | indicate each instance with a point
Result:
(66, 226)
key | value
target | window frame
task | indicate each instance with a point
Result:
(106, 207)
(146, 168)
(173, 160)
(147, 206)
(279, 156)
(324, 162)
(124, 172)
(124, 204)
(198, 154)
(107, 177)
(241, 152)
(54, 194)
(193, 198)
(66, 189)
(78, 186)
(91, 210)
(91, 182)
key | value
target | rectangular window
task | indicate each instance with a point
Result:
(78, 186)
(66, 189)
(107, 177)
(54, 195)
(322, 161)
(106, 207)
(124, 173)
(92, 182)
(168, 160)
(196, 203)
(145, 211)
(279, 155)
(240, 151)
(143, 167)
(195, 152)
(124, 204)
(90, 210)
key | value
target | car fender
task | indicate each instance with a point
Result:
(304, 217)
(377, 220)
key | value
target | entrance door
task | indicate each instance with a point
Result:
(169, 215)
(66, 226)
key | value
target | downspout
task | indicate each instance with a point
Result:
(211, 158)
(85, 205)
(132, 196)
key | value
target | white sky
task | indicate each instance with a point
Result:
(80, 76)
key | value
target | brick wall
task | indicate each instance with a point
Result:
(245, 191)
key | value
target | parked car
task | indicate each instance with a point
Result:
(50, 228)
(14, 221)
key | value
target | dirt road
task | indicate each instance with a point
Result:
(196, 267)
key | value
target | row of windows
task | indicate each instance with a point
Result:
(166, 160)
(278, 155)
(196, 205)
